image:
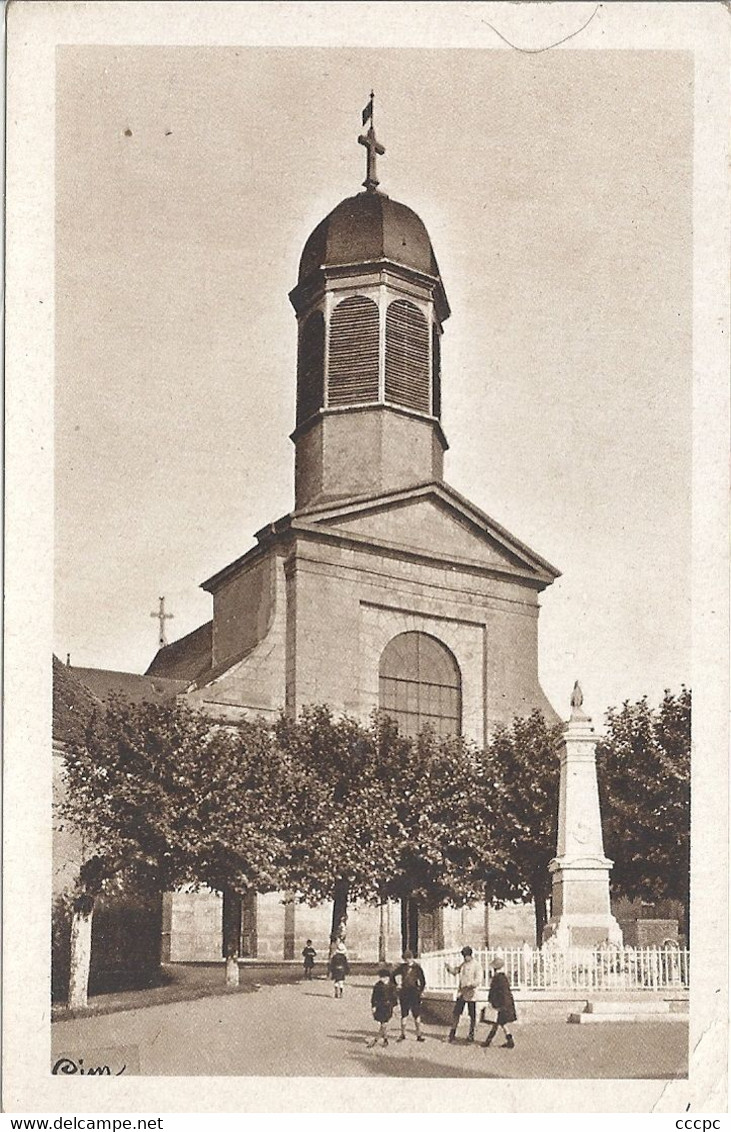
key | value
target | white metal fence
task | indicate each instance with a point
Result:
(603, 968)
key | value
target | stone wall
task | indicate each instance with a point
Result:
(256, 683)
(648, 933)
(191, 927)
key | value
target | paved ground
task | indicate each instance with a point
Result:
(177, 982)
(299, 1029)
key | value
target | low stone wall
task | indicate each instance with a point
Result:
(648, 933)
(543, 1006)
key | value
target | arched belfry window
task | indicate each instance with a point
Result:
(407, 356)
(353, 360)
(420, 684)
(311, 366)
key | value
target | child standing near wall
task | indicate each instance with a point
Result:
(308, 956)
(339, 968)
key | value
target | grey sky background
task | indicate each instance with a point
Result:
(557, 191)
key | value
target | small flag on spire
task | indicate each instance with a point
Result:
(368, 111)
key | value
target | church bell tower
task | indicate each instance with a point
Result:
(370, 306)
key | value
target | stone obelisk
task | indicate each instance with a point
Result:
(581, 914)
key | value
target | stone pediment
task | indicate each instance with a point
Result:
(430, 519)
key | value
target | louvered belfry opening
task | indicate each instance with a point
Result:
(436, 369)
(353, 356)
(311, 366)
(407, 357)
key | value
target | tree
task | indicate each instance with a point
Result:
(439, 824)
(339, 846)
(243, 793)
(123, 798)
(164, 796)
(644, 781)
(520, 774)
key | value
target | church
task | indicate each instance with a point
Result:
(383, 588)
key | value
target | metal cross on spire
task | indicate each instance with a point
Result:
(373, 147)
(162, 617)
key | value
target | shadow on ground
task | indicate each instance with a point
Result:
(390, 1061)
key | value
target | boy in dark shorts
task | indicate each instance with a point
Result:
(308, 955)
(500, 998)
(411, 983)
(383, 1000)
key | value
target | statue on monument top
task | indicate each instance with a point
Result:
(577, 699)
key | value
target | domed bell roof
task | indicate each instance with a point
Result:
(368, 227)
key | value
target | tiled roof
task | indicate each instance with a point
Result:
(186, 659)
(73, 703)
(134, 687)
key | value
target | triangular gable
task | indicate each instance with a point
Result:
(432, 519)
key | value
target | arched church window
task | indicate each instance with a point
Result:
(420, 684)
(310, 366)
(407, 356)
(353, 368)
(436, 369)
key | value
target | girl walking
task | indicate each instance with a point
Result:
(383, 1000)
(501, 999)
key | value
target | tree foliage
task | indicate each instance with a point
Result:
(520, 779)
(644, 781)
(164, 796)
(337, 810)
(439, 832)
(128, 795)
(169, 796)
(339, 837)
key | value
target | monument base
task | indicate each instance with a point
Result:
(582, 931)
(581, 912)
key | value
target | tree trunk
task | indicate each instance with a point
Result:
(340, 909)
(382, 917)
(686, 921)
(414, 926)
(539, 907)
(231, 926)
(80, 957)
(409, 925)
(487, 898)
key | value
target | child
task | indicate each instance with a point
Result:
(501, 998)
(308, 954)
(339, 968)
(410, 977)
(470, 976)
(383, 1000)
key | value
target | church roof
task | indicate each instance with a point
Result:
(366, 228)
(73, 703)
(187, 658)
(104, 683)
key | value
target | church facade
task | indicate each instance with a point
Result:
(383, 588)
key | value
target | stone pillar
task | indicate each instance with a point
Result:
(581, 914)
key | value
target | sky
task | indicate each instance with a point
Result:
(556, 189)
